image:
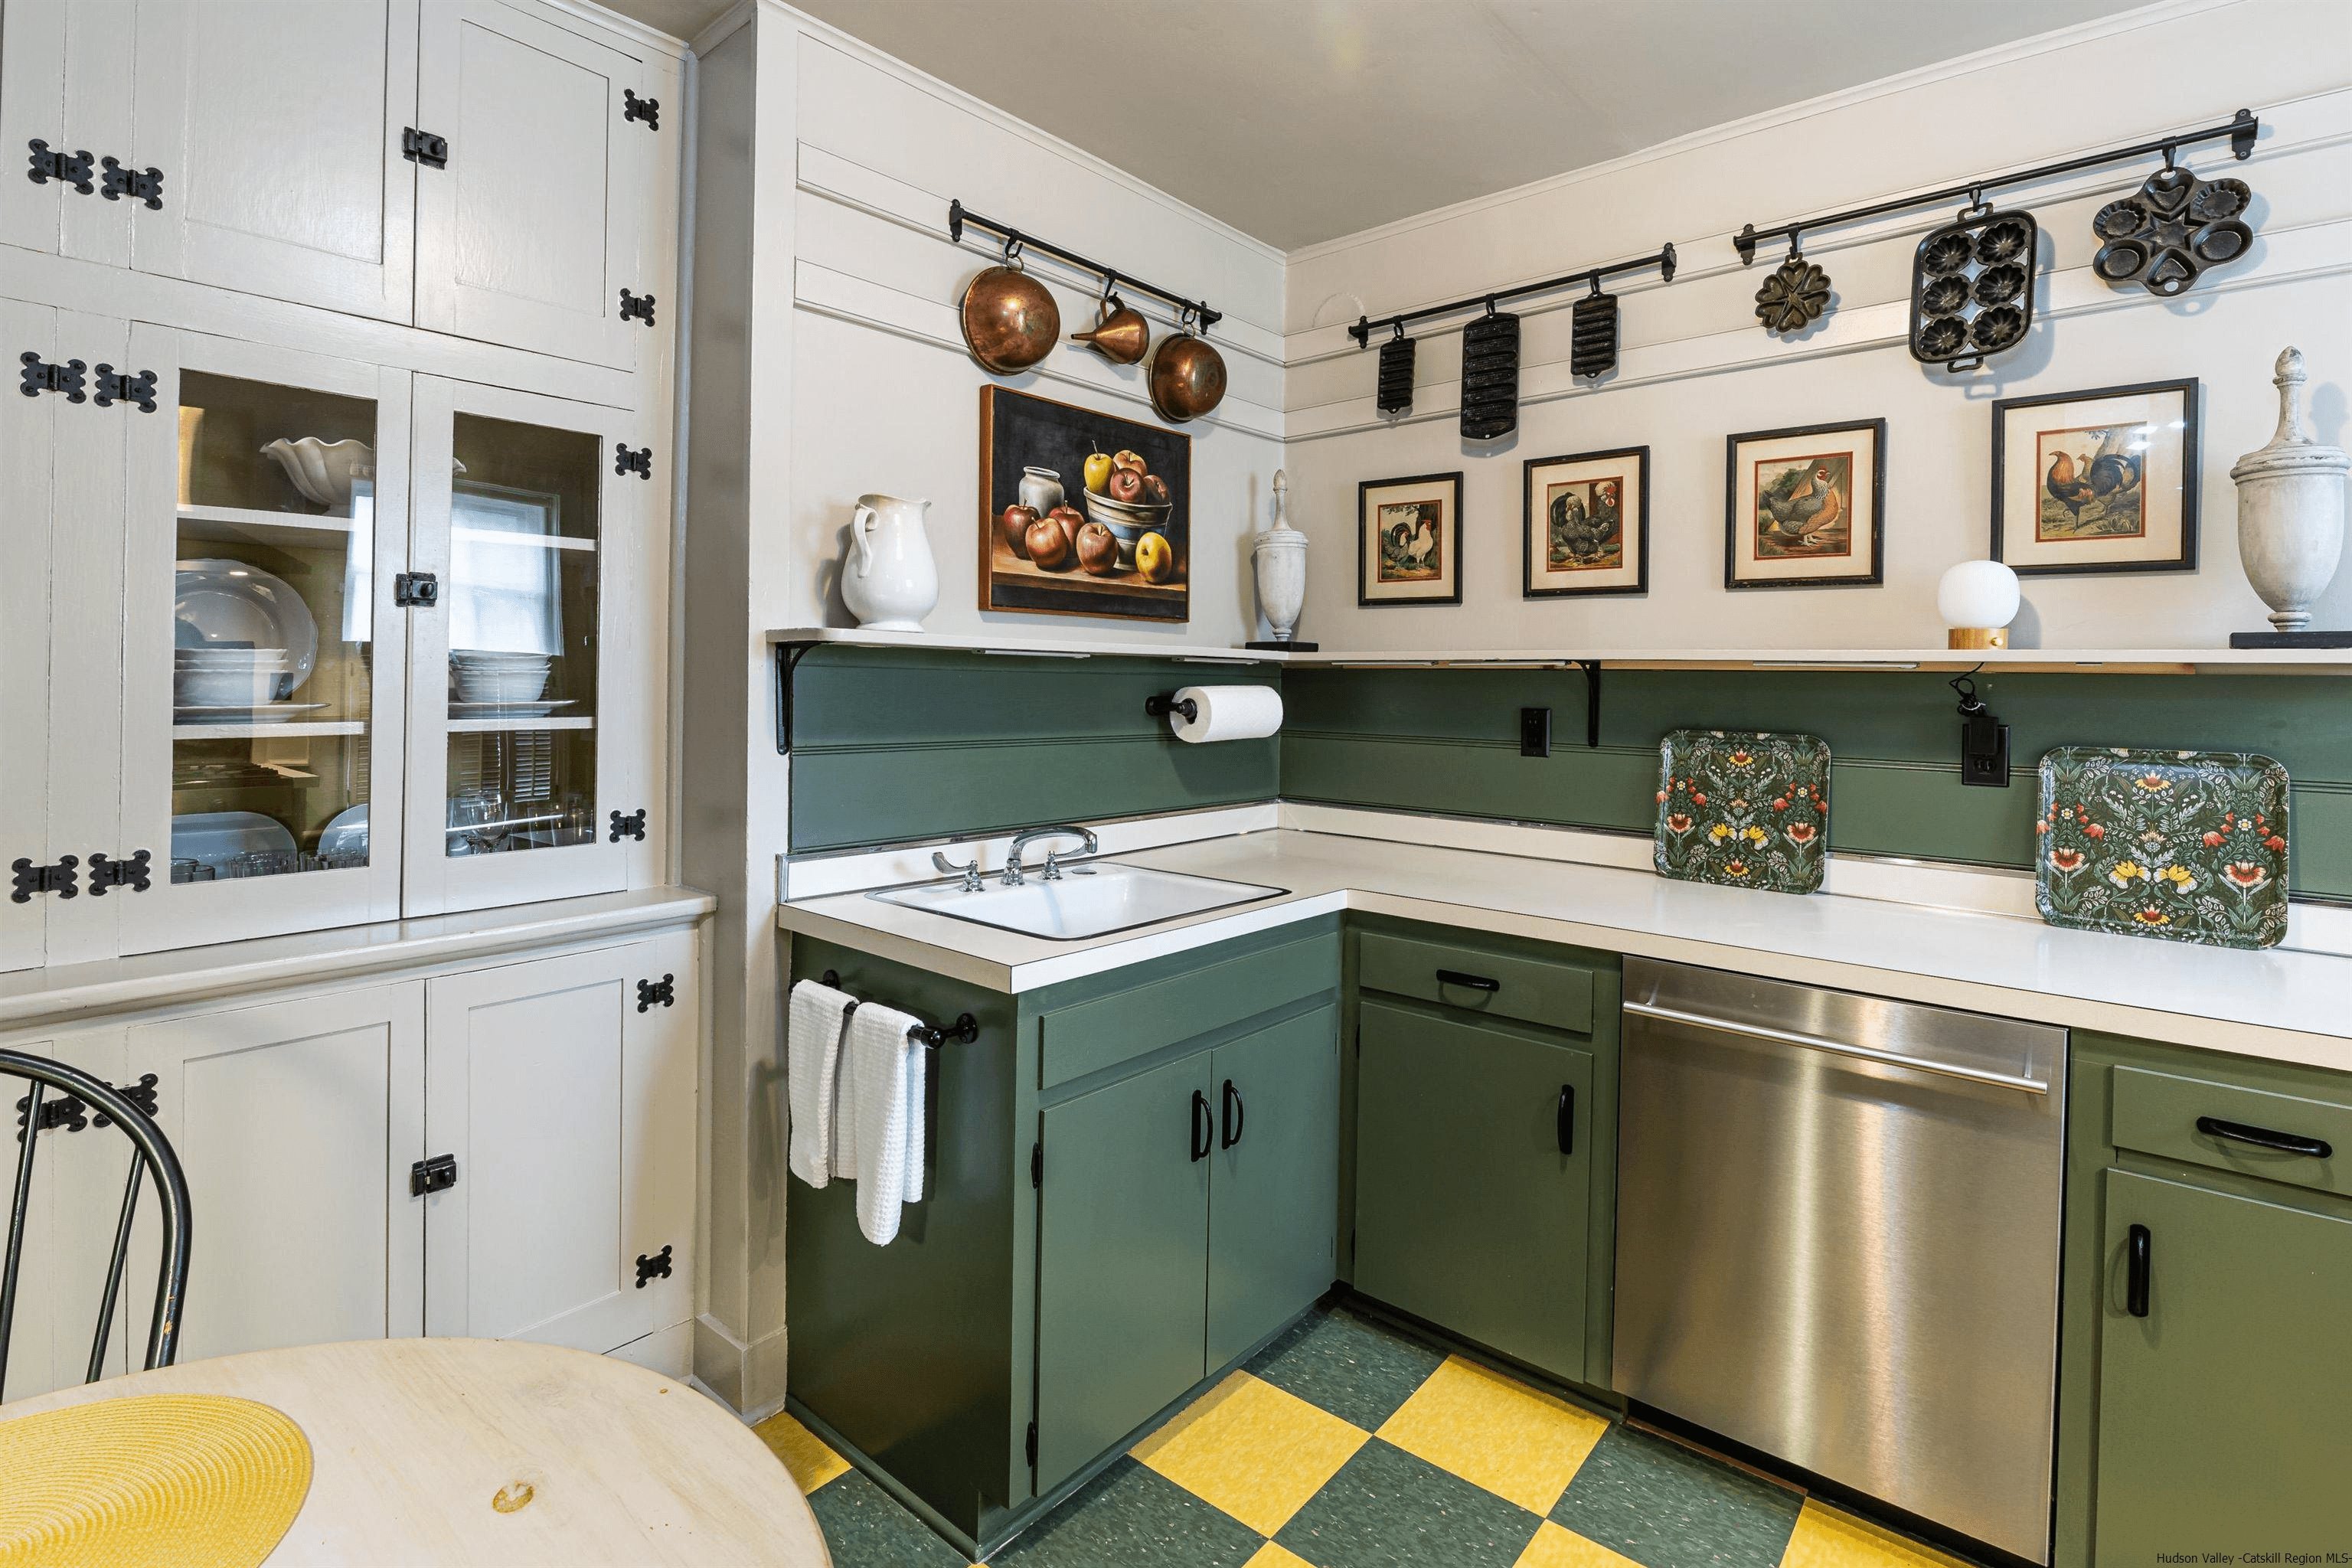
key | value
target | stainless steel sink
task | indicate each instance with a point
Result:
(1086, 901)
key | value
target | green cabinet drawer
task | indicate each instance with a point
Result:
(2225, 1126)
(1091, 1035)
(1552, 993)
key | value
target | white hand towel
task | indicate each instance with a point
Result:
(882, 1094)
(812, 1070)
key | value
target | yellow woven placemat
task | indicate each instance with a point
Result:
(158, 1479)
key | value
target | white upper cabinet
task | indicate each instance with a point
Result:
(532, 231)
(277, 131)
(65, 105)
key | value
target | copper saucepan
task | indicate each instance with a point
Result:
(1120, 334)
(1188, 378)
(1010, 319)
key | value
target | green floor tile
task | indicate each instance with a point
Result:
(1130, 1517)
(1386, 1509)
(1348, 1365)
(1666, 1507)
(865, 1528)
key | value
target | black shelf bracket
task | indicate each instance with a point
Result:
(788, 658)
(1591, 668)
(2240, 128)
(1662, 258)
(960, 217)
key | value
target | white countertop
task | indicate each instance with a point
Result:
(2279, 1004)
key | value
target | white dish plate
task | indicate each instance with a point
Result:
(508, 709)
(346, 832)
(274, 713)
(223, 601)
(217, 838)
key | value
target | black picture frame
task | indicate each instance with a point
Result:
(1021, 428)
(2192, 393)
(1640, 458)
(1731, 519)
(1364, 489)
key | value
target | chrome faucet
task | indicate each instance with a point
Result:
(970, 874)
(1052, 869)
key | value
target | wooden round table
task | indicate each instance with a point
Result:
(411, 1439)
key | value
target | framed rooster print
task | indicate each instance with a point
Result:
(1803, 508)
(1409, 541)
(2087, 482)
(1585, 524)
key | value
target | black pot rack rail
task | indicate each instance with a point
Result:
(1663, 259)
(965, 1029)
(2240, 128)
(960, 217)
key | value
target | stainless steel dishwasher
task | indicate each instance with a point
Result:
(1837, 1237)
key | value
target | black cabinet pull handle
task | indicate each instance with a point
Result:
(1567, 1123)
(1204, 1126)
(2264, 1138)
(2135, 1273)
(1475, 981)
(1234, 1114)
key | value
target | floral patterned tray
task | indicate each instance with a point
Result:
(2190, 846)
(1743, 808)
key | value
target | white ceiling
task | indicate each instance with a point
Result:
(1299, 121)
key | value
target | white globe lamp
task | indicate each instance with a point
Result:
(1977, 599)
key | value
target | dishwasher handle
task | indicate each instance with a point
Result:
(1836, 1047)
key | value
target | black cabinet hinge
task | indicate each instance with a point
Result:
(639, 462)
(637, 307)
(1036, 1164)
(108, 872)
(654, 1267)
(424, 147)
(1031, 1448)
(656, 992)
(73, 168)
(41, 376)
(633, 825)
(72, 1114)
(139, 184)
(437, 1174)
(31, 880)
(126, 386)
(415, 590)
(646, 108)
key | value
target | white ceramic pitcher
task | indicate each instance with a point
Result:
(889, 582)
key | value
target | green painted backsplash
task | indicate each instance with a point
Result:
(895, 744)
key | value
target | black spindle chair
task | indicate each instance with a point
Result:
(82, 1093)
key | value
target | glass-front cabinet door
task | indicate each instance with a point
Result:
(263, 658)
(528, 516)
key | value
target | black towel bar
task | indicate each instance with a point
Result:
(965, 1029)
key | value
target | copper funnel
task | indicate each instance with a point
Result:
(1120, 336)
(1010, 321)
(1188, 378)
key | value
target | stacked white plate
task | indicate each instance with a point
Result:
(230, 677)
(481, 675)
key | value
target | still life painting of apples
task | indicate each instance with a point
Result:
(1804, 506)
(2091, 482)
(1081, 513)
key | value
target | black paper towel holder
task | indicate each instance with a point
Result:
(1160, 707)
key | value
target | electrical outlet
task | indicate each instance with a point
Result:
(1984, 751)
(1534, 732)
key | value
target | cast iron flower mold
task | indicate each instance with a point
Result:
(1972, 287)
(2171, 230)
(1795, 296)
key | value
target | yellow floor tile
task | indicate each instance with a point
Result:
(1272, 1556)
(804, 1453)
(1489, 1428)
(1556, 1547)
(1825, 1538)
(1253, 1450)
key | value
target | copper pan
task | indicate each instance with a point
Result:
(1188, 378)
(1010, 319)
(1120, 335)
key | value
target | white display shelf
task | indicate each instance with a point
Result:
(526, 540)
(510, 726)
(2110, 661)
(285, 529)
(236, 731)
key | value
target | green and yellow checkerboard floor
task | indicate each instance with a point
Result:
(1347, 1445)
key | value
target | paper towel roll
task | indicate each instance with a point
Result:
(1227, 713)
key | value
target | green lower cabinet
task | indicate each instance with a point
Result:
(2225, 1414)
(1274, 1192)
(1469, 1211)
(1122, 1249)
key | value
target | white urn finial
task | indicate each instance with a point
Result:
(1280, 558)
(2290, 508)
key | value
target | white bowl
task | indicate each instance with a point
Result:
(224, 688)
(524, 687)
(323, 470)
(219, 602)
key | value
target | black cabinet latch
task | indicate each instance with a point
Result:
(639, 462)
(633, 825)
(73, 168)
(658, 993)
(424, 147)
(646, 108)
(415, 590)
(123, 386)
(637, 307)
(31, 880)
(437, 1174)
(106, 872)
(139, 184)
(654, 1267)
(40, 376)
